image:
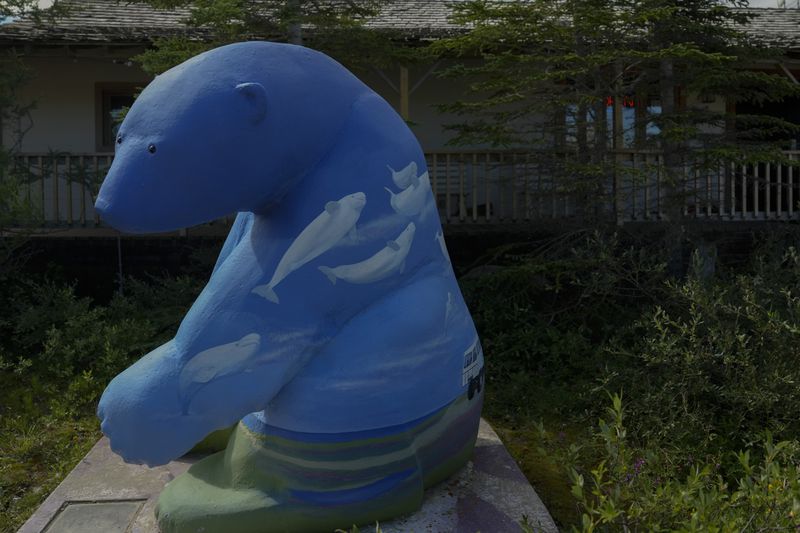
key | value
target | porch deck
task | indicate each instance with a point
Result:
(477, 189)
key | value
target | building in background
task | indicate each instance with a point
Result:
(84, 77)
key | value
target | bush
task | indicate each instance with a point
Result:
(632, 489)
(708, 365)
(546, 315)
(58, 346)
(57, 354)
(716, 363)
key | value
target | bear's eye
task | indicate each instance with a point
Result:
(119, 139)
(151, 148)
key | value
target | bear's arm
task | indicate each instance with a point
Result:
(241, 227)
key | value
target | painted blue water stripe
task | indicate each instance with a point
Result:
(358, 495)
(257, 426)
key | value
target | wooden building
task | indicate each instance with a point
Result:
(84, 76)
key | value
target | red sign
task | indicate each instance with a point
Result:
(627, 101)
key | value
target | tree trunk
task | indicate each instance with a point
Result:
(295, 26)
(600, 151)
(672, 171)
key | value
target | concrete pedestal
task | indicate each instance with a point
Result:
(105, 495)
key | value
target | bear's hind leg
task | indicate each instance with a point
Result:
(274, 480)
(266, 483)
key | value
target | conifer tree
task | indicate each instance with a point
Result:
(550, 72)
(337, 28)
(15, 212)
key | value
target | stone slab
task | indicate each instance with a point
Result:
(111, 517)
(103, 494)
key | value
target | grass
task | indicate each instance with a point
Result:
(36, 453)
(544, 473)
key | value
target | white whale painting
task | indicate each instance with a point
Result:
(448, 311)
(386, 262)
(442, 245)
(406, 177)
(411, 201)
(381, 229)
(323, 233)
(222, 360)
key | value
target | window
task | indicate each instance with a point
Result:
(111, 101)
(637, 121)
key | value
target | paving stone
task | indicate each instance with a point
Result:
(95, 517)
(105, 495)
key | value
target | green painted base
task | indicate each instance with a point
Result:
(266, 483)
(216, 441)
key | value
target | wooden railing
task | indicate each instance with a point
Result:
(496, 187)
(489, 187)
(486, 187)
(61, 188)
(719, 191)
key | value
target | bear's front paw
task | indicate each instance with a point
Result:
(141, 415)
(145, 439)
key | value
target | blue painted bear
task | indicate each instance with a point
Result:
(332, 332)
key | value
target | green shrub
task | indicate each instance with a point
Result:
(630, 489)
(57, 354)
(717, 362)
(545, 316)
(708, 365)
(58, 346)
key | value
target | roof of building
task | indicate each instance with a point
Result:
(782, 25)
(120, 21)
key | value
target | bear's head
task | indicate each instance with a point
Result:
(232, 129)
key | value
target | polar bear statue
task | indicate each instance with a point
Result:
(332, 333)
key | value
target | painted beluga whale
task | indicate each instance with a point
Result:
(412, 200)
(331, 226)
(343, 401)
(440, 240)
(405, 177)
(387, 261)
(216, 362)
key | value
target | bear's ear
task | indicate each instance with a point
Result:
(256, 97)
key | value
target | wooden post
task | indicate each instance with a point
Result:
(619, 204)
(54, 158)
(790, 202)
(473, 172)
(730, 170)
(41, 188)
(296, 25)
(618, 141)
(404, 92)
(68, 180)
(640, 121)
(94, 179)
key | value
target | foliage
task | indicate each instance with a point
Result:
(716, 363)
(16, 213)
(16, 217)
(545, 315)
(707, 364)
(57, 353)
(336, 28)
(549, 71)
(36, 452)
(630, 489)
(55, 341)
